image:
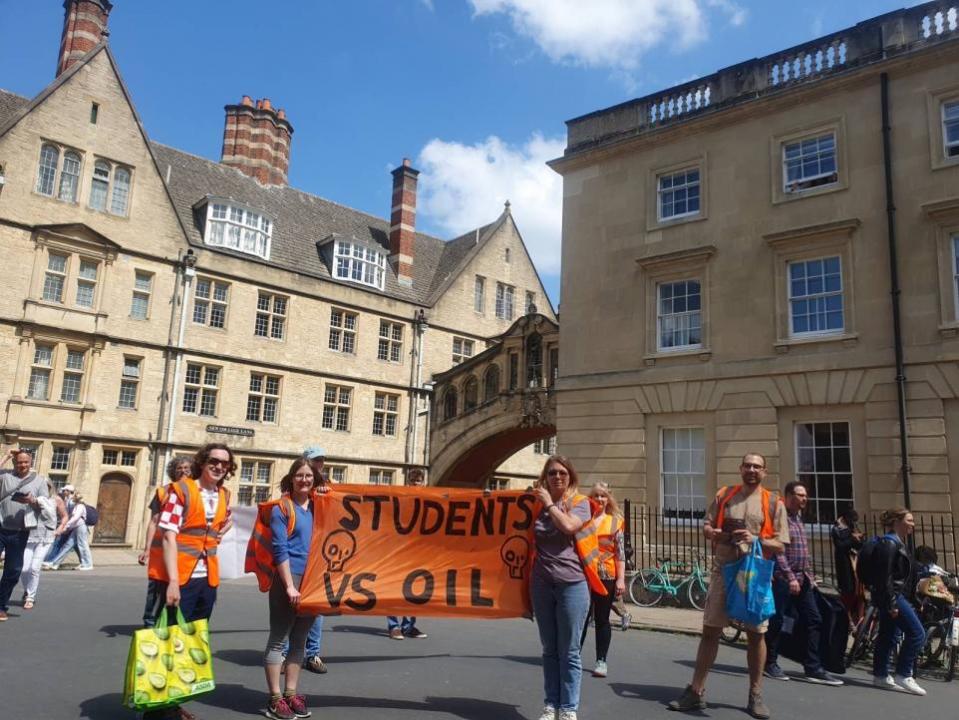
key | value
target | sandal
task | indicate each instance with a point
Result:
(28, 604)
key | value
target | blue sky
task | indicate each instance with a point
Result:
(476, 92)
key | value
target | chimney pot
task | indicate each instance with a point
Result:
(259, 104)
(407, 162)
(247, 100)
(266, 104)
(281, 114)
(256, 141)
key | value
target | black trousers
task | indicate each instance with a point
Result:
(599, 608)
(807, 613)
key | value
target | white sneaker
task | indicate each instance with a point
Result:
(600, 670)
(909, 684)
(549, 713)
(567, 715)
(886, 683)
(85, 567)
(47, 566)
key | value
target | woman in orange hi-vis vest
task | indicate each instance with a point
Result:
(559, 586)
(291, 530)
(612, 570)
(183, 552)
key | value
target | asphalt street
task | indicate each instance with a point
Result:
(65, 659)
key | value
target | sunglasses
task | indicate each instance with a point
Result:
(216, 462)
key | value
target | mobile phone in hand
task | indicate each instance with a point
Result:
(19, 497)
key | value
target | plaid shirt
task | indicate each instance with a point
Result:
(793, 562)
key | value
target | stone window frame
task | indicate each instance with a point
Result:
(331, 471)
(62, 150)
(654, 424)
(211, 303)
(836, 126)
(202, 388)
(691, 264)
(479, 295)
(936, 101)
(339, 331)
(467, 348)
(142, 293)
(806, 243)
(336, 407)
(110, 197)
(76, 251)
(252, 486)
(384, 476)
(943, 217)
(128, 380)
(653, 220)
(270, 316)
(389, 345)
(386, 408)
(57, 369)
(505, 301)
(259, 397)
(855, 415)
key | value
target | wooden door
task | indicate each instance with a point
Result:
(113, 505)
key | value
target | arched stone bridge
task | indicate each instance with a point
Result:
(495, 403)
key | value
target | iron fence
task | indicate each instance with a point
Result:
(653, 535)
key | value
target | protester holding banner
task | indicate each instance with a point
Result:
(406, 628)
(559, 589)
(183, 552)
(311, 659)
(291, 537)
(608, 523)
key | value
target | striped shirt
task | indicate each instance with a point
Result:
(793, 562)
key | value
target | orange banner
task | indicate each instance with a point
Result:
(419, 551)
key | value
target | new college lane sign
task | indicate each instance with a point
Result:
(419, 551)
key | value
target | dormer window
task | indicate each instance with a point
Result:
(236, 227)
(358, 263)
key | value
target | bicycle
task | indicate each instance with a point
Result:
(649, 585)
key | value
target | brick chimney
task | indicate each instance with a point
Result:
(84, 26)
(403, 222)
(256, 140)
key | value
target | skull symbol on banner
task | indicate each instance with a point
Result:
(339, 546)
(514, 553)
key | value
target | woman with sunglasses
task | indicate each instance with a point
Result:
(608, 522)
(558, 587)
(183, 552)
(290, 548)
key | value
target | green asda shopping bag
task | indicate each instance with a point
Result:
(168, 665)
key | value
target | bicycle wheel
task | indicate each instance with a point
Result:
(696, 589)
(646, 589)
(862, 638)
(730, 634)
(933, 651)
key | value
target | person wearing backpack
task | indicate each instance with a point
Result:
(75, 530)
(291, 530)
(887, 569)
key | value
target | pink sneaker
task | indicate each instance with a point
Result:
(297, 704)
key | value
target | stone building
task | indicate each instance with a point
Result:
(739, 225)
(156, 300)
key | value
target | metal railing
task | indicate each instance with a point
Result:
(652, 535)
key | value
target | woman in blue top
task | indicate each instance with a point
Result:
(891, 596)
(290, 551)
(558, 588)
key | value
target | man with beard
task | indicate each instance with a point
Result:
(737, 516)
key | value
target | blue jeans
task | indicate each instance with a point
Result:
(76, 540)
(560, 610)
(313, 640)
(13, 543)
(912, 643)
(809, 617)
(405, 625)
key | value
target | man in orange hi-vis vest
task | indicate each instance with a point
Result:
(738, 515)
(183, 553)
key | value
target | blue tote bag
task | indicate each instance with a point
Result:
(749, 588)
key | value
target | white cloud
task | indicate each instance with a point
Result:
(609, 33)
(464, 186)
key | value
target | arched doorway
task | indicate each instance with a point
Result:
(113, 506)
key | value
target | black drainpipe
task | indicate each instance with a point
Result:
(895, 290)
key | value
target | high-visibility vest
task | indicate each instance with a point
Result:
(197, 538)
(606, 530)
(259, 550)
(162, 493)
(587, 547)
(769, 502)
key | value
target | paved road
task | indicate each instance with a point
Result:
(65, 659)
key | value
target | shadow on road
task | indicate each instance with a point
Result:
(361, 630)
(535, 660)
(117, 630)
(661, 694)
(720, 668)
(104, 707)
(241, 699)
(254, 658)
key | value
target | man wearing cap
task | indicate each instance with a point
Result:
(311, 658)
(19, 513)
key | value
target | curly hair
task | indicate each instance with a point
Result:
(174, 461)
(203, 454)
(286, 482)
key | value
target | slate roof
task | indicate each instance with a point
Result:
(301, 220)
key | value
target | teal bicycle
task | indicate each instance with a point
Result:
(648, 587)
